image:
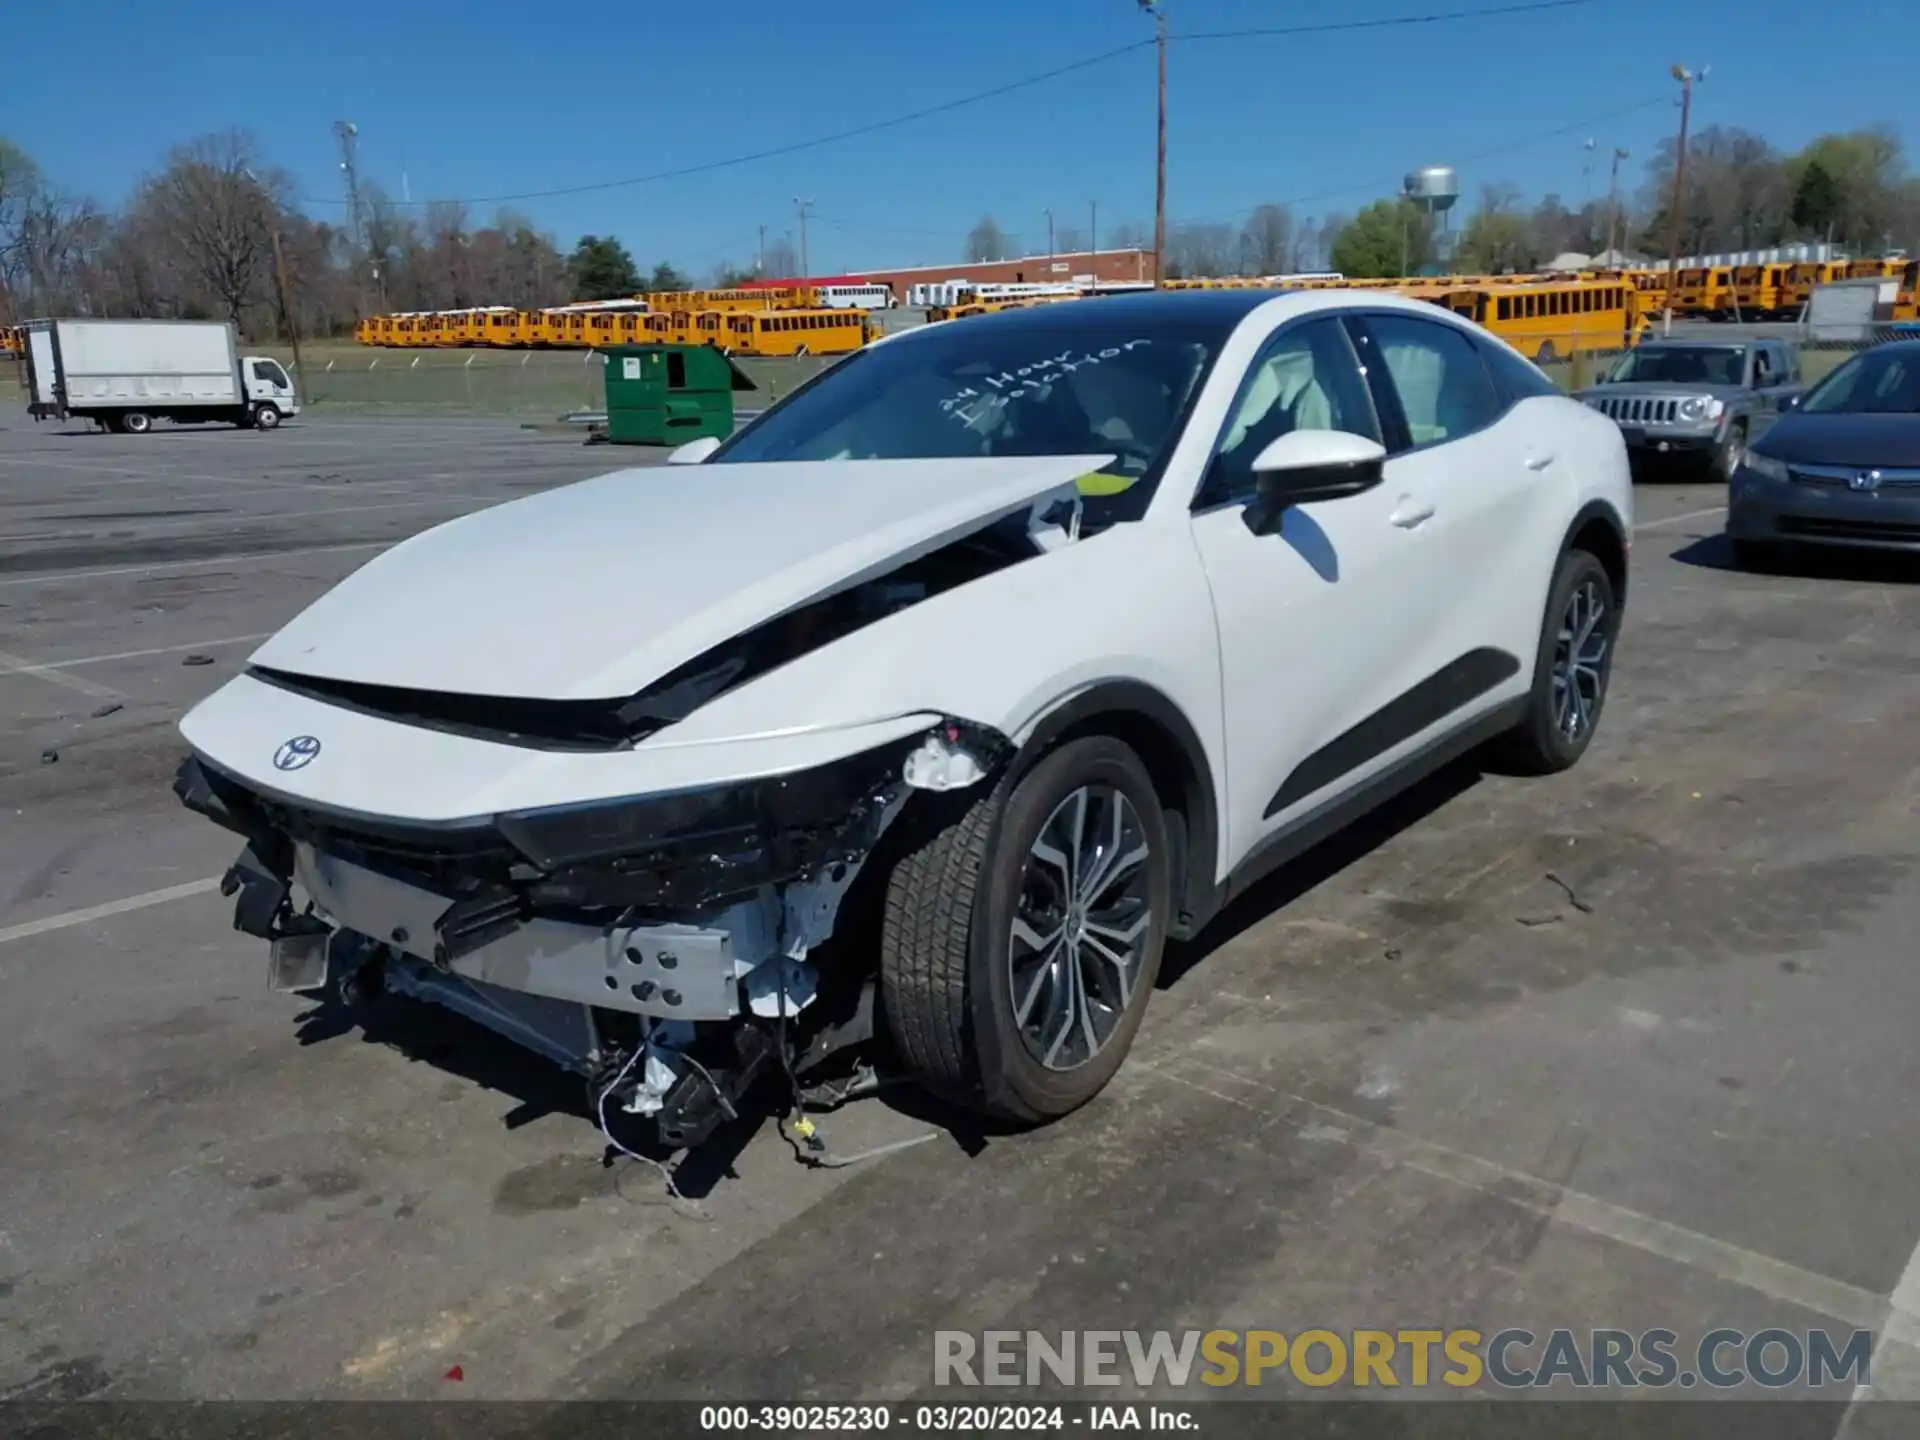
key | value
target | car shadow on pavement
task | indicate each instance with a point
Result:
(1808, 562)
(1324, 861)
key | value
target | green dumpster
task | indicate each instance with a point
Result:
(670, 394)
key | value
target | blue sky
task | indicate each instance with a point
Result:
(492, 97)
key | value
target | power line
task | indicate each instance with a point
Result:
(994, 92)
(1438, 17)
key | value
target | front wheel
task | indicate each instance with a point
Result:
(266, 417)
(1730, 452)
(1022, 937)
(1572, 669)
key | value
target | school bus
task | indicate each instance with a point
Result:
(612, 327)
(1760, 290)
(1705, 290)
(795, 332)
(1879, 268)
(1801, 279)
(1551, 319)
(1906, 304)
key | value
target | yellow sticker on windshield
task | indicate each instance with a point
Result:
(1098, 482)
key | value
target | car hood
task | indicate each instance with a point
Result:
(595, 590)
(1892, 441)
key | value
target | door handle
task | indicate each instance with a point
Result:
(1411, 513)
(1540, 462)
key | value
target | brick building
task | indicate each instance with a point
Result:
(1081, 267)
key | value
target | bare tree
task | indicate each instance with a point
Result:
(1068, 240)
(1266, 240)
(986, 241)
(210, 207)
(1201, 248)
(782, 259)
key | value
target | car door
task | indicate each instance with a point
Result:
(1772, 382)
(1490, 451)
(1315, 621)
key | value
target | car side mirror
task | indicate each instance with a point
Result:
(1308, 466)
(694, 451)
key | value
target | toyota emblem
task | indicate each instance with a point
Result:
(1864, 480)
(297, 753)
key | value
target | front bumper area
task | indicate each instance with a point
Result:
(1764, 509)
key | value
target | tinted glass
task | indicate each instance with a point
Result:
(1679, 365)
(1437, 372)
(1878, 382)
(1308, 378)
(1518, 376)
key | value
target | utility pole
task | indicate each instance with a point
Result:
(1093, 237)
(803, 206)
(1613, 206)
(1152, 7)
(1686, 78)
(271, 214)
(760, 269)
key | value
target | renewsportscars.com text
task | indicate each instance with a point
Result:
(1514, 1359)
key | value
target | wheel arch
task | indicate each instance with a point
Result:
(1159, 732)
(1599, 530)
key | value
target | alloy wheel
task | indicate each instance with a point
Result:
(1080, 927)
(1580, 661)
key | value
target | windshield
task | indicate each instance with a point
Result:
(1091, 384)
(1878, 382)
(271, 373)
(1679, 365)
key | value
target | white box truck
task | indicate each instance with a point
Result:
(125, 374)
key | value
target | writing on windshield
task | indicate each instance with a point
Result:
(972, 407)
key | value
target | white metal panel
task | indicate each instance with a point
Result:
(599, 588)
(45, 373)
(130, 361)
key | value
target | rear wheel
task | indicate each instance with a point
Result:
(136, 422)
(1022, 937)
(1571, 671)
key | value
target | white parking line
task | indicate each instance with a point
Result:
(1678, 519)
(29, 928)
(121, 527)
(53, 577)
(15, 665)
(20, 665)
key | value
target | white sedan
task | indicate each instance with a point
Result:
(925, 709)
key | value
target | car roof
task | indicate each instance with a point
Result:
(1698, 342)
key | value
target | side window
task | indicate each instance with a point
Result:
(1437, 372)
(1762, 366)
(1308, 378)
(1519, 377)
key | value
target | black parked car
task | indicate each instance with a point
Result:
(1842, 467)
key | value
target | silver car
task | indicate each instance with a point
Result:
(1698, 400)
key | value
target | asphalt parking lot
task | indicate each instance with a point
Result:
(1631, 1047)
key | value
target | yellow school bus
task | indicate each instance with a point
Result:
(1879, 268)
(1801, 279)
(1759, 290)
(1548, 320)
(795, 332)
(1704, 290)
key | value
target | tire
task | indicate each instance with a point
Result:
(951, 958)
(1729, 453)
(266, 417)
(136, 422)
(1761, 557)
(1550, 739)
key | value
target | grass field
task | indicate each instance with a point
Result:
(348, 378)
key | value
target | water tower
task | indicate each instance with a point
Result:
(1435, 189)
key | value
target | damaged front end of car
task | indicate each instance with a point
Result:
(663, 947)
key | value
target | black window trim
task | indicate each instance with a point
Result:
(1203, 502)
(1503, 402)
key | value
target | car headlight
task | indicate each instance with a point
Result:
(1701, 407)
(1765, 467)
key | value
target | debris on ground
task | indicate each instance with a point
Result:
(1573, 899)
(49, 756)
(197, 659)
(1533, 921)
(100, 712)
